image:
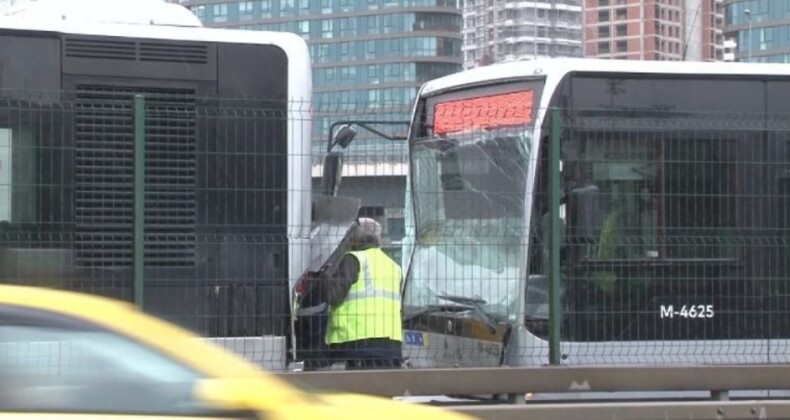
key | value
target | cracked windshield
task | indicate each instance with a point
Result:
(469, 183)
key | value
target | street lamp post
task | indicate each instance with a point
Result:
(748, 14)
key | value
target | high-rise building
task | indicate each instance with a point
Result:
(760, 29)
(679, 30)
(505, 30)
(369, 58)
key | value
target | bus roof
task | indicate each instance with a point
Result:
(558, 67)
(144, 12)
(290, 42)
(169, 23)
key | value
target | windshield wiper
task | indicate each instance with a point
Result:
(442, 145)
(463, 300)
(465, 304)
(431, 309)
(462, 304)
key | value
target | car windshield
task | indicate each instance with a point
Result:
(469, 197)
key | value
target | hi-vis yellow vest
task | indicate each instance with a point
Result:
(372, 307)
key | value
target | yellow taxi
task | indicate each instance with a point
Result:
(67, 355)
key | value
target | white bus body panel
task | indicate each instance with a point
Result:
(525, 349)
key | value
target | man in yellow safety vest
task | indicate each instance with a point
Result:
(364, 328)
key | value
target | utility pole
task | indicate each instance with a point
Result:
(748, 14)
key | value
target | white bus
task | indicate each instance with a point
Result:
(674, 216)
(228, 181)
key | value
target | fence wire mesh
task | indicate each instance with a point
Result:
(672, 231)
(674, 238)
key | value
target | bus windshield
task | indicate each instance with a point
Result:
(469, 178)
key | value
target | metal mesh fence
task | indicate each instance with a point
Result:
(182, 204)
(674, 239)
(670, 230)
(653, 253)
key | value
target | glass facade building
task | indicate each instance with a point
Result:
(369, 59)
(364, 52)
(761, 30)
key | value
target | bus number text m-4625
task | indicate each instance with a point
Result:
(686, 311)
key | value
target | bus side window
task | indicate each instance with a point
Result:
(539, 233)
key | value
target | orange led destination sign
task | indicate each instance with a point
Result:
(483, 112)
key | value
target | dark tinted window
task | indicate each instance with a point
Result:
(701, 96)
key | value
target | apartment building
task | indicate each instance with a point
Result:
(677, 30)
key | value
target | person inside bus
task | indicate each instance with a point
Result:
(364, 329)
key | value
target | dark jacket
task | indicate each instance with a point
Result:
(338, 282)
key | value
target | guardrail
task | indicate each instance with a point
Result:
(643, 411)
(549, 379)
(516, 383)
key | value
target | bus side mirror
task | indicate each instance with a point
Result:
(333, 162)
(330, 178)
(583, 215)
(344, 136)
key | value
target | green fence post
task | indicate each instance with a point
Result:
(555, 312)
(138, 255)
